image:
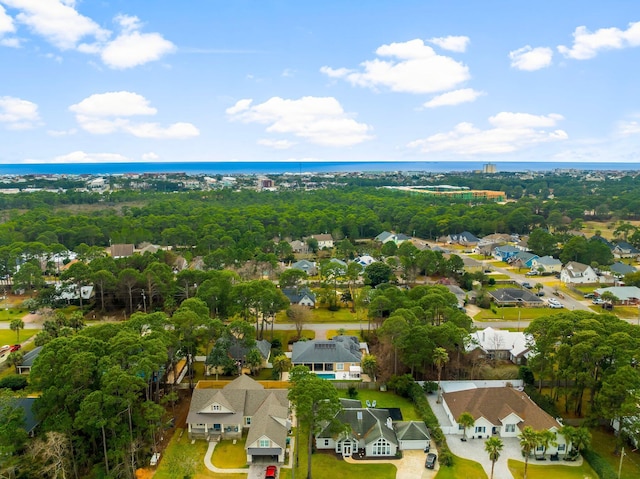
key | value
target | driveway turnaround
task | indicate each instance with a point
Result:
(410, 466)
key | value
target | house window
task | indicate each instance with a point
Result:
(328, 367)
(339, 447)
(340, 366)
(510, 428)
(540, 448)
(326, 442)
(264, 443)
(216, 407)
(247, 421)
(480, 429)
(561, 447)
(381, 447)
(460, 427)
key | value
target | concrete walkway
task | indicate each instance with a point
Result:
(252, 468)
(209, 465)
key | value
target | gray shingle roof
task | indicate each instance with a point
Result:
(411, 431)
(365, 423)
(326, 351)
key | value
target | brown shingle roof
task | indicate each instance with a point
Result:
(494, 404)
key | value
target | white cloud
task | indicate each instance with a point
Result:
(455, 97)
(18, 114)
(277, 144)
(628, 128)
(319, 120)
(56, 21)
(104, 113)
(150, 156)
(115, 103)
(510, 132)
(10, 42)
(413, 68)
(452, 43)
(64, 27)
(530, 59)
(132, 48)
(6, 22)
(59, 133)
(82, 157)
(587, 44)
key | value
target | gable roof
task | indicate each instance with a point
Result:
(411, 430)
(30, 357)
(270, 420)
(464, 237)
(514, 295)
(303, 264)
(623, 293)
(495, 404)
(295, 295)
(122, 250)
(382, 237)
(625, 247)
(237, 350)
(548, 261)
(30, 420)
(490, 339)
(573, 267)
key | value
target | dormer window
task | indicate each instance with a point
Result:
(216, 407)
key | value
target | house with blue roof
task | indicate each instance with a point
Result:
(504, 252)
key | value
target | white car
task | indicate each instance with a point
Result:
(554, 303)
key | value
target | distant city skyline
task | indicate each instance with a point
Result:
(246, 81)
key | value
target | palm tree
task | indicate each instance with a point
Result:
(493, 446)
(16, 325)
(465, 420)
(528, 442)
(569, 433)
(581, 439)
(440, 358)
(545, 439)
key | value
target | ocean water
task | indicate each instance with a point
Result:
(258, 167)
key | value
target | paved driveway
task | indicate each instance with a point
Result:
(411, 466)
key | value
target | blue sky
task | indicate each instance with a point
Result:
(262, 80)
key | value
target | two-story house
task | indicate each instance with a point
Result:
(243, 405)
(336, 358)
(578, 273)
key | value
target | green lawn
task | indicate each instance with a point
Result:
(462, 468)
(556, 471)
(386, 399)
(328, 466)
(349, 332)
(323, 315)
(181, 451)
(228, 455)
(9, 337)
(286, 336)
(603, 442)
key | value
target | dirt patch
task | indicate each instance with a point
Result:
(179, 412)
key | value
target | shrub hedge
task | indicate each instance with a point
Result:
(599, 464)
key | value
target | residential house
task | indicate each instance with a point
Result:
(299, 247)
(243, 405)
(308, 267)
(302, 296)
(471, 265)
(27, 360)
(503, 253)
(619, 270)
(522, 243)
(625, 294)
(121, 250)
(502, 412)
(622, 249)
(30, 420)
(365, 260)
(325, 241)
(523, 259)
(500, 344)
(372, 432)
(464, 239)
(516, 297)
(546, 265)
(578, 273)
(336, 358)
(384, 237)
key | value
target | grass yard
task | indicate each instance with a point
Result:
(328, 466)
(180, 453)
(9, 337)
(286, 336)
(462, 468)
(512, 314)
(603, 442)
(498, 276)
(349, 332)
(386, 399)
(228, 455)
(556, 472)
(323, 315)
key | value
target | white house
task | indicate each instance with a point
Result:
(501, 344)
(546, 264)
(578, 273)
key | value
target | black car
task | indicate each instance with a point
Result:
(430, 463)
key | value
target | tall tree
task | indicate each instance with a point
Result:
(465, 420)
(440, 358)
(528, 443)
(315, 401)
(16, 325)
(493, 446)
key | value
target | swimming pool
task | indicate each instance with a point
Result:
(326, 375)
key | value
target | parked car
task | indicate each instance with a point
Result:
(598, 301)
(589, 295)
(15, 347)
(271, 472)
(430, 463)
(554, 303)
(531, 273)
(527, 285)
(540, 293)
